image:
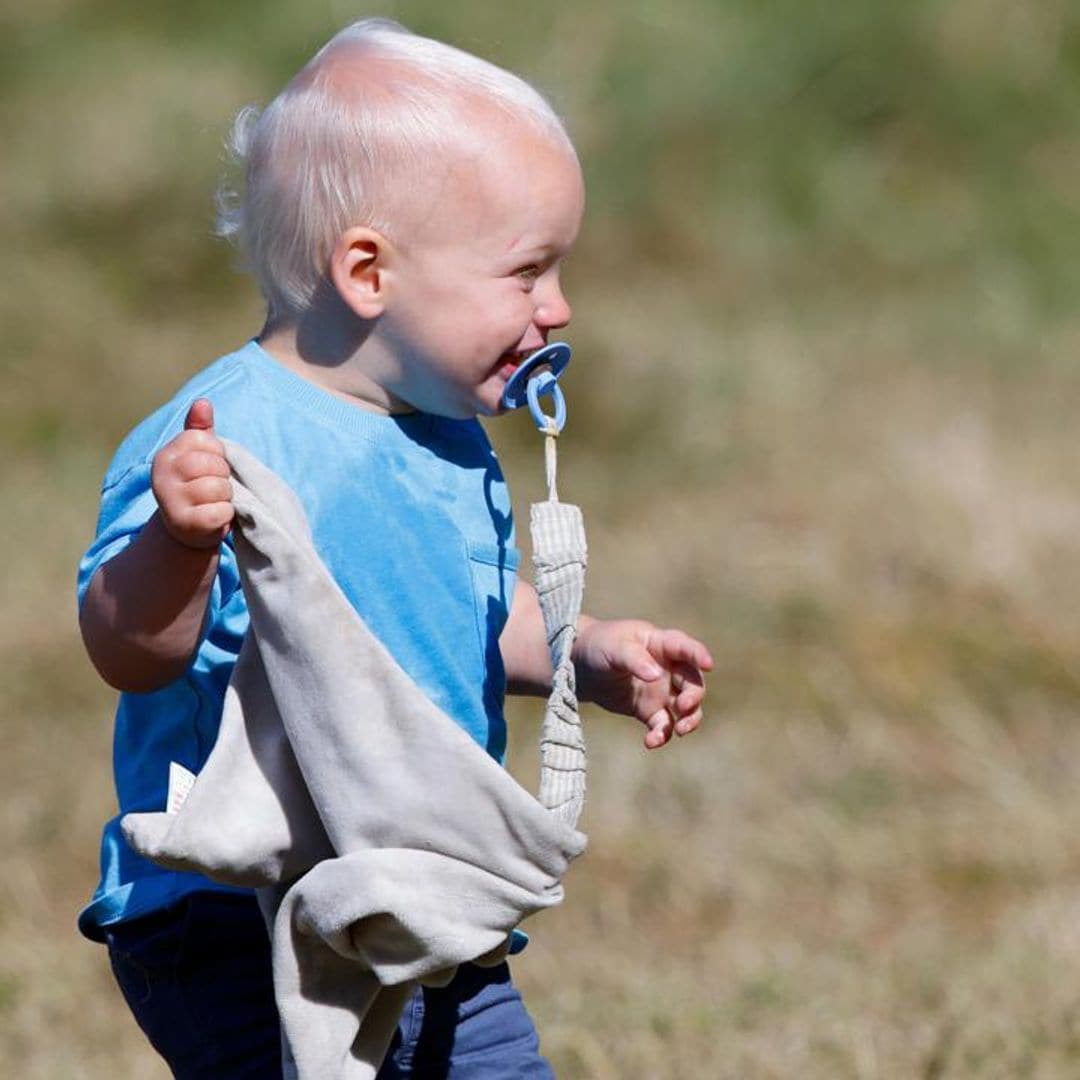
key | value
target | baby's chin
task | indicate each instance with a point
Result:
(496, 408)
(483, 404)
(489, 395)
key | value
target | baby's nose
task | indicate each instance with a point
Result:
(554, 311)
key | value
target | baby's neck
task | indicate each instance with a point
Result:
(332, 361)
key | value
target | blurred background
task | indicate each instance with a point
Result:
(821, 415)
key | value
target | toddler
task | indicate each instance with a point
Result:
(406, 211)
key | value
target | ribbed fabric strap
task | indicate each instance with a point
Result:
(559, 558)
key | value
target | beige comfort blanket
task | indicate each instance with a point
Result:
(387, 847)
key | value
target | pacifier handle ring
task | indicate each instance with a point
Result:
(546, 384)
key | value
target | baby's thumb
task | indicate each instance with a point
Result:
(200, 416)
(640, 663)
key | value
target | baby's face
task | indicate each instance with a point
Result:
(477, 282)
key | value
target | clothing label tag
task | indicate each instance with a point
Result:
(180, 781)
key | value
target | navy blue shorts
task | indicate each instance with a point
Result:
(197, 977)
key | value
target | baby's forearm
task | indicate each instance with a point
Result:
(143, 612)
(523, 645)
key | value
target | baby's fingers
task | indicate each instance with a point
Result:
(197, 513)
(673, 646)
(206, 523)
(205, 490)
(686, 724)
(659, 728)
(688, 689)
(199, 463)
(635, 659)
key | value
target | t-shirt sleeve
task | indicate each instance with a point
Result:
(127, 503)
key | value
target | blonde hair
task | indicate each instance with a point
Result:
(317, 160)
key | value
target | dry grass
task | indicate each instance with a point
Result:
(820, 414)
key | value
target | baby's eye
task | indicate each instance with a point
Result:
(528, 275)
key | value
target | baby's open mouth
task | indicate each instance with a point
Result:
(510, 362)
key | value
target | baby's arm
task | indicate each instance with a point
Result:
(144, 609)
(523, 645)
(627, 666)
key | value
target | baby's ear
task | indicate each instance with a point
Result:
(357, 269)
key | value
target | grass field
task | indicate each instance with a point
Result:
(821, 414)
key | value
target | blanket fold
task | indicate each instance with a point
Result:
(386, 845)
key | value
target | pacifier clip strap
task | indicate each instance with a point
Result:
(551, 460)
(559, 558)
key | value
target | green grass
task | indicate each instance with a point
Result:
(821, 413)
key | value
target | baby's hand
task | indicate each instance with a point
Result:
(190, 478)
(632, 667)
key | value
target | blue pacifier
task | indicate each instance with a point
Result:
(528, 384)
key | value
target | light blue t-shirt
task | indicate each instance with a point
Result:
(410, 514)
